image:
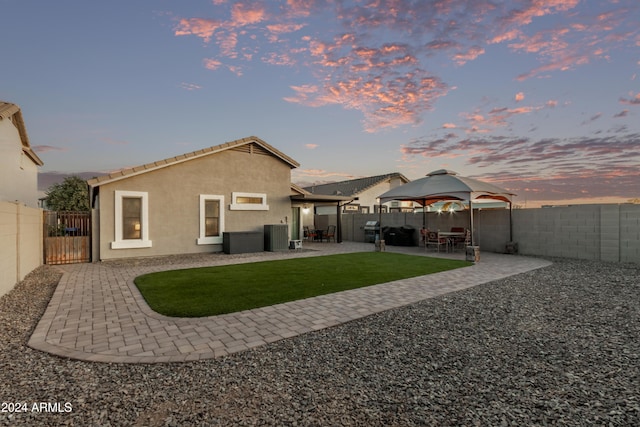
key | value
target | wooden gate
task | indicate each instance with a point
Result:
(67, 237)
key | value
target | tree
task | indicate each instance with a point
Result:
(70, 195)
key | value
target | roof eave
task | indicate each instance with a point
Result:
(138, 170)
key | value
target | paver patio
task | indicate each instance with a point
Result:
(98, 314)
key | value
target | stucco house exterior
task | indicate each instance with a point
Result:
(363, 192)
(18, 163)
(184, 204)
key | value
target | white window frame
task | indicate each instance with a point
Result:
(235, 206)
(143, 242)
(210, 240)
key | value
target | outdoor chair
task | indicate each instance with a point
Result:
(423, 236)
(331, 233)
(309, 234)
(462, 242)
(434, 239)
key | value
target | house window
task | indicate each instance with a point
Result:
(132, 220)
(211, 219)
(249, 202)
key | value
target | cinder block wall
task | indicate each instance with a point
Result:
(596, 232)
(21, 237)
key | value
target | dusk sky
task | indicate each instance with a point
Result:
(541, 97)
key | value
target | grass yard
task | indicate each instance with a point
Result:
(210, 291)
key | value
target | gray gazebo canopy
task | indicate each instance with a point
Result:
(444, 185)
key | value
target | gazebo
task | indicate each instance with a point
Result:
(443, 185)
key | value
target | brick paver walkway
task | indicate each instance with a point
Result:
(97, 313)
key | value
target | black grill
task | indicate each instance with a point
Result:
(371, 229)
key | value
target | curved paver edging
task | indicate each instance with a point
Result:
(98, 314)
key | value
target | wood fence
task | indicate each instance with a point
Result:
(67, 237)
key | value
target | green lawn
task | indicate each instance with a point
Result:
(210, 291)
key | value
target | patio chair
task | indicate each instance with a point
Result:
(423, 236)
(309, 234)
(462, 242)
(331, 233)
(434, 239)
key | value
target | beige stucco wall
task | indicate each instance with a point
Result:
(21, 237)
(18, 173)
(174, 201)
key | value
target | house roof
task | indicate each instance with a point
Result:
(353, 187)
(12, 112)
(251, 144)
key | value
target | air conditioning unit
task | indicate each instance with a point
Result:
(276, 237)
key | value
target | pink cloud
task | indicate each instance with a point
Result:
(519, 96)
(282, 59)
(373, 56)
(203, 28)
(284, 28)
(311, 146)
(538, 8)
(472, 53)
(211, 64)
(243, 14)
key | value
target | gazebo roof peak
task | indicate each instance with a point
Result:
(442, 172)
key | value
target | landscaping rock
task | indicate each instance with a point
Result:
(556, 346)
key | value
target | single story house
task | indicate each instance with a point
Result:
(363, 192)
(184, 204)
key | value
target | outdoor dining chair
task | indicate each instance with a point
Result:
(434, 239)
(331, 233)
(423, 236)
(309, 234)
(463, 241)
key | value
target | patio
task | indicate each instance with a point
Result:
(97, 313)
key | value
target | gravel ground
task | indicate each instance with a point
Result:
(556, 346)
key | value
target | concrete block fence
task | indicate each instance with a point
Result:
(21, 238)
(595, 232)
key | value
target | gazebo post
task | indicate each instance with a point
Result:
(510, 222)
(339, 222)
(379, 218)
(471, 220)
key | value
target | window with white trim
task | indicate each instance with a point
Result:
(249, 202)
(132, 220)
(211, 219)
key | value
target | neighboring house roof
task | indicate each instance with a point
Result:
(299, 194)
(250, 144)
(353, 187)
(13, 113)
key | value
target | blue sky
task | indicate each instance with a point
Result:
(541, 97)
